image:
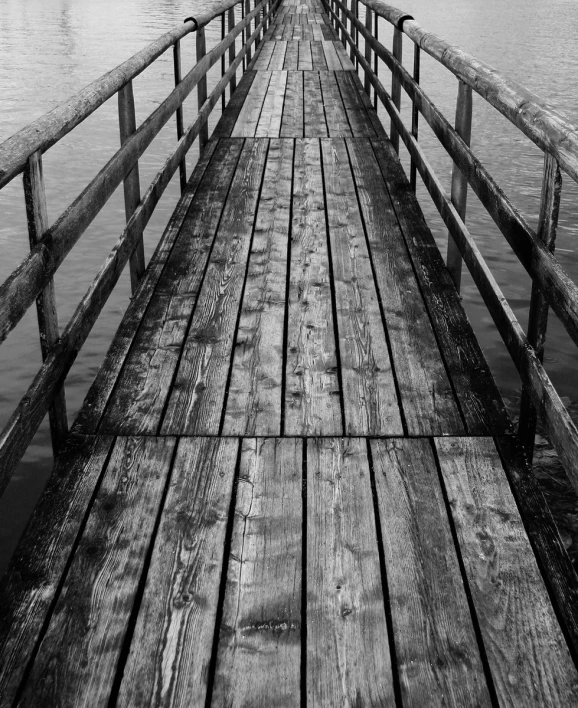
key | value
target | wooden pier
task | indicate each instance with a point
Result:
(293, 481)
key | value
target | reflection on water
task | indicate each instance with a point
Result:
(49, 49)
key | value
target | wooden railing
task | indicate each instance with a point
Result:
(50, 244)
(550, 131)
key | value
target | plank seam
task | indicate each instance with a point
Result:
(242, 293)
(139, 593)
(223, 582)
(286, 312)
(384, 582)
(379, 300)
(194, 308)
(423, 297)
(465, 582)
(61, 582)
(333, 294)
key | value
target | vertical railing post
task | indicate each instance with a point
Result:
(344, 23)
(353, 29)
(248, 31)
(243, 36)
(127, 124)
(369, 28)
(179, 113)
(202, 87)
(396, 83)
(376, 59)
(538, 317)
(459, 192)
(257, 21)
(231, 26)
(35, 197)
(414, 116)
(223, 68)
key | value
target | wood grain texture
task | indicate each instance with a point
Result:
(255, 393)
(435, 642)
(369, 396)
(78, 656)
(292, 56)
(248, 119)
(269, 124)
(348, 661)
(527, 653)
(32, 579)
(335, 114)
(331, 57)
(312, 399)
(195, 403)
(278, 57)
(259, 655)
(314, 123)
(228, 119)
(426, 395)
(171, 647)
(480, 401)
(357, 115)
(292, 123)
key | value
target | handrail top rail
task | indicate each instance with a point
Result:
(547, 128)
(51, 127)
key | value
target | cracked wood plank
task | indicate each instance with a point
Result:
(78, 657)
(197, 396)
(348, 660)
(527, 652)
(435, 642)
(254, 402)
(426, 394)
(312, 397)
(168, 663)
(259, 654)
(369, 397)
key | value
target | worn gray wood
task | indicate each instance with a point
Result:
(312, 398)
(369, 396)
(435, 642)
(314, 122)
(335, 113)
(269, 124)
(227, 121)
(195, 403)
(173, 638)
(77, 659)
(348, 660)
(254, 401)
(259, 653)
(526, 650)
(248, 119)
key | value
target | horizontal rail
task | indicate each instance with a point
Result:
(51, 127)
(21, 288)
(538, 120)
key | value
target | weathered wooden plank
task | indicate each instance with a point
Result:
(255, 392)
(292, 56)
(262, 57)
(335, 115)
(314, 124)
(365, 101)
(318, 55)
(248, 119)
(527, 654)
(328, 33)
(312, 399)
(480, 401)
(270, 119)
(196, 399)
(348, 661)
(427, 399)
(305, 60)
(331, 56)
(358, 117)
(317, 35)
(77, 659)
(99, 393)
(435, 642)
(228, 119)
(259, 655)
(369, 396)
(278, 57)
(33, 577)
(346, 64)
(171, 648)
(293, 111)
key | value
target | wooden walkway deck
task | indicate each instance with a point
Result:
(293, 481)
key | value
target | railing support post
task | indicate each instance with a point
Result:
(396, 84)
(127, 123)
(232, 53)
(37, 216)
(414, 116)
(353, 31)
(202, 87)
(459, 193)
(538, 317)
(375, 60)
(223, 65)
(344, 23)
(248, 31)
(179, 113)
(369, 28)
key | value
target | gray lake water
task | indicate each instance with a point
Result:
(50, 49)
